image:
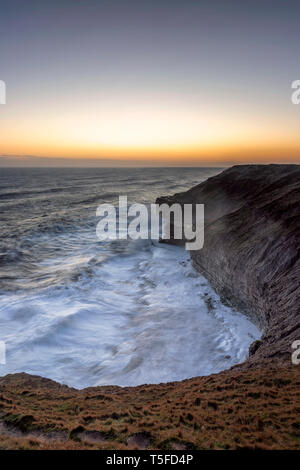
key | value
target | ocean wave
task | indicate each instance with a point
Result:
(85, 312)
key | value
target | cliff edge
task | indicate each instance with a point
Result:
(251, 253)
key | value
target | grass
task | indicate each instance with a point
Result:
(236, 409)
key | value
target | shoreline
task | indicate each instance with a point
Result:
(255, 271)
(251, 252)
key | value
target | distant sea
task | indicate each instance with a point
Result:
(85, 312)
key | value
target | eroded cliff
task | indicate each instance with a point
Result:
(251, 253)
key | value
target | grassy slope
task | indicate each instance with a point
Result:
(257, 408)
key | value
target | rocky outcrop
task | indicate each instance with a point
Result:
(251, 253)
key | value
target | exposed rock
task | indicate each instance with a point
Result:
(91, 436)
(254, 347)
(251, 253)
(140, 440)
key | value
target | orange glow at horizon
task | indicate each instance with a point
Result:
(151, 133)
(120, 83)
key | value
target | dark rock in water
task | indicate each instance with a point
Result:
(251, 253)
(254, 347)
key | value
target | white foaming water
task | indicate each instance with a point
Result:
(144, 316)
(87, 313)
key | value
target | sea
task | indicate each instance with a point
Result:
(86, 312)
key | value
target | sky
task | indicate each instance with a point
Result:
(130, 83)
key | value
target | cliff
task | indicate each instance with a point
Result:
(251, 253)
(251, 257)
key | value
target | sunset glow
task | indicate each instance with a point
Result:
(204, 93)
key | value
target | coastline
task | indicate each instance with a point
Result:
(251, 252)
(251, 257)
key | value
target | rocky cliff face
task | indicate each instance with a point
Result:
(251, 253)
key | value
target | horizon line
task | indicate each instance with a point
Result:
(33, 161)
